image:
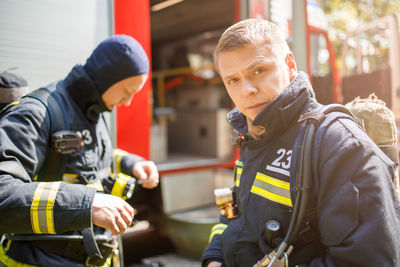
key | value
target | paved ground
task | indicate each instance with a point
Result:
(168, 260)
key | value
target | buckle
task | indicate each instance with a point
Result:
(66, 142)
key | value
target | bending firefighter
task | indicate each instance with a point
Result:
(55, 159)
(352, 215)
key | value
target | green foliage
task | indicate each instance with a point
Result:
(347, 15)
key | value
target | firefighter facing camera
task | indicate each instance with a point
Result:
(312, 188)
(62, 185)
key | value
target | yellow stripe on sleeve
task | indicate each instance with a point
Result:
(119, 185)
(50, 205)
(118, 154)
(42, 217)
(217, 229)
(35, 207)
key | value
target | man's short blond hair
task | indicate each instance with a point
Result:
(252, 31)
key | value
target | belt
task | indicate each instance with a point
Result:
(75, 247)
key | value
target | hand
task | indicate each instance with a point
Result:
(112, 213)
(147, 172)
(214, 264)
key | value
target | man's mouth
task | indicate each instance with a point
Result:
(257, 106)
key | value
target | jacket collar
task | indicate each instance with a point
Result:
(281, 112)
(84, 93)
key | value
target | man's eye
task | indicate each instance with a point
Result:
(233, 81)
(259, 71)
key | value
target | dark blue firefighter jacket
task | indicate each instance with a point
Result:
(354, 212)
(28, 205)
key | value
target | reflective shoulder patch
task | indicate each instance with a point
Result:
(272, 189)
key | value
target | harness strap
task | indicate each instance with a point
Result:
(91, 246)
(301, 230)
(54, 165)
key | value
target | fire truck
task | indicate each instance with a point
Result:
(189, 138)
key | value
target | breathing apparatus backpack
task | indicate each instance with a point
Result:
(377, 120)
(379, 123)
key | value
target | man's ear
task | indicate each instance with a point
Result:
(291, 63)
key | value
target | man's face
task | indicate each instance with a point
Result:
(123, 91)
(254, 75)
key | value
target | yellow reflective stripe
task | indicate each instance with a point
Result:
(42, 207)
(97, 185)
(271, 180)
(238, 175)
(71, 178)
(8, 245)
(217, 230)
(49, 207)
(118, 154)
(16, 102)
(35, 206)
(118, 151)
(118, 163)
(219, 225)
(119, 185)
(238, 171)
(272, 189)
(239, 163)
(8, 261)
(237, 182)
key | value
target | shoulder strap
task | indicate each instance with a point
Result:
(54, 165)
(318, 116)
(302, 171)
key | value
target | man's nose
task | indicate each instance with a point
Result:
(248, 88)
(127, 101)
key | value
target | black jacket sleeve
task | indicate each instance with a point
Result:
(358, 210)
(125, 161)
(213, 251)
(24, 135)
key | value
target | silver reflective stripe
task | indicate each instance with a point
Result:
(272, 188)
(42, 207)
(14, 169)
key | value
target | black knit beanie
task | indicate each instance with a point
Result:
(116, 58)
